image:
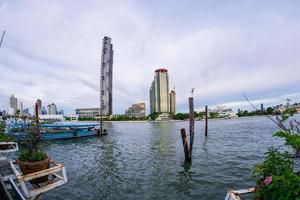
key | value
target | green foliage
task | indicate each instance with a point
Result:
(270, 111)
(181, 116)
(275, 177)
(275, 163)
(291, 134)
(285, 187)
(27, 156)
(32, 146)
(4, 137)
(153, 116)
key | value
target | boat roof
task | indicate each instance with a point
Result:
(68, 125)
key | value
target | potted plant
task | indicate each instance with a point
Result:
(276, 177)
(32, 159)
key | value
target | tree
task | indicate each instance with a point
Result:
(270, 110)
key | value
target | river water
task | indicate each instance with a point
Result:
(146, 160)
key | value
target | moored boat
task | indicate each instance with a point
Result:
(60, 131)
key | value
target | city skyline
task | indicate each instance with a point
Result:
(215, 48)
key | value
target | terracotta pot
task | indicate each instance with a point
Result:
(5, 146)
(31, 167)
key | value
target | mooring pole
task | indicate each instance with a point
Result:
(206, 121)
(185, 145)
(191, 108)
(36, 113)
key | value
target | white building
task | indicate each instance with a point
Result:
(12, 105)
(159, 92)
(51, 109)
(106, 76)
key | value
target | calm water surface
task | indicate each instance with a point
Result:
(146, 161)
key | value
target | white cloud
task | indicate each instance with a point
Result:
(52, 51)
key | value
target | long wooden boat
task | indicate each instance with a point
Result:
(61, 131)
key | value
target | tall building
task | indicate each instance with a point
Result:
(159, 92)
(51, 109)
(261, 106)
(44, 111)
(173, 101)
(136, 110)
(106, 77)
(12, 105)
(39, 105)
(20, 107)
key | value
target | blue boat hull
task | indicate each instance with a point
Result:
(21, 136)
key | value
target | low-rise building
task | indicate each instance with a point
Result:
(87, 112)
(136, 110)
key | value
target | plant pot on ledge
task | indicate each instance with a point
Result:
(34, 166)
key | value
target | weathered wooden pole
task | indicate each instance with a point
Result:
(36, 113)
(185, 146)
(206, 121)
(192, 123)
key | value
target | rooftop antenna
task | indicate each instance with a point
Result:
(192, 91)
(2, 38)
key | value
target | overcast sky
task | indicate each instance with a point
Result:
(52, 51)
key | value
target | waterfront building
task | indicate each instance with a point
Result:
(26, 111)
(49, 109)
(159, 92)
(12, 105)
(61, 112)
(44, 111)
(136, 110)
(173, 101)
(262, 107)
(52, 109)
(39, 105)
(87, 112)
(106, 76)
(20, 107)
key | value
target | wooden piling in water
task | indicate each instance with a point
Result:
(206, 121)
(185, 145)
(192, 123)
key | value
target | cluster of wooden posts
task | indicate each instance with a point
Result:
(188, 150)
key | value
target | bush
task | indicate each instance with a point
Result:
(275, 177)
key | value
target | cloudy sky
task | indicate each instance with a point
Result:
(223, 49)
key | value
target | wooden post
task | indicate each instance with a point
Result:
(191, 108)
(185, 145)
(206, 121)
(36, 113)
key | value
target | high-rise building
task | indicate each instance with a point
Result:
(261, 106)
(136, 110)
(12, 105)
(106, 77)
(51, 109)
(39, 105)
(173, 101)
(159, 92)
(44, 111)
(20, 108)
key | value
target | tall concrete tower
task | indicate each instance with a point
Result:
(12, 105)
(159, 92)
(106, 77)
(39, 104)
(173, 101)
